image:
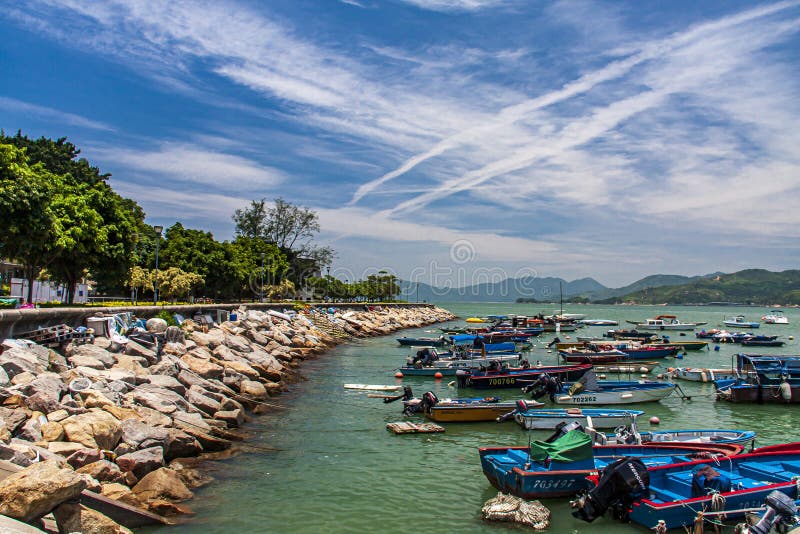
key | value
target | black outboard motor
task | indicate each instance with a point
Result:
(521, 407)
(429, 400)
(781, 513)
(406, 395)
(621, 483)
(563, 428)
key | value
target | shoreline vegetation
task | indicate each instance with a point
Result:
(131, 423)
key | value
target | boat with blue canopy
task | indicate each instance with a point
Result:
(763, 378)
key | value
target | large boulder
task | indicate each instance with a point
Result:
(142, 462)
(163, 483)
(181, 445)
(253, 389)
(84, 457)
(86, 361)
(135, 349)
(44, 392)
(156, 325)
(17, 360)
(95, 428)
(202, 367)
(167, 382)
(141, 436)
(38, 489)
(199, 397)
(103, 471)
(74, 517)
(95, 351)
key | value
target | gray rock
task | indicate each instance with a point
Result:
(86, 361)
(142, 461)
(174, 334)
(83, 457)
(31, 430)
(156, 325)
(36, 490)
(5, 380)
(18, 360)
(96, 352)
(167, 366)
(139, 435)
(197, 397)
(135, 349)
(166, 382)
(181, 445)
(233, 418)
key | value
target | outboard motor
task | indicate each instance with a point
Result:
(521, 407)
(621, 483)
(544, 385)
(563, 428)
(406, 396)
(781, 514)
(429, 400)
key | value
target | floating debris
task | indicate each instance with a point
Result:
(405, 427)
(510, 508)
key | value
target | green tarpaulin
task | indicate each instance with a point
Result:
(571, 447)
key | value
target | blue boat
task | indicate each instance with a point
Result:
(549, 418)
(739, 320)
(677, 494)
(560, 468)
(762, 378)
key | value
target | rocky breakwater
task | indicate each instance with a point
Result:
(126, 420)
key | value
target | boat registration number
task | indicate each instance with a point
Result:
(553, 484)
(502, 381)
(584, 398)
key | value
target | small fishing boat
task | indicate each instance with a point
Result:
(459, 410)
(372, 387)
(519, 377)
(549, 418)
(440, 341)
(761, 341)
(673, 496)
(664, 322)
(622, 352)
(476, 320)
(451, 366)
(611, 392)
(685, 345)
(741, 322)
(702, 374)
(629, 434)
(598, 322)
(629, 334)
(775, 317)
(626, 368)
(559, 467)
(762, 378)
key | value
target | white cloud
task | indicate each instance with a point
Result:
(50, 114)
(192, 165)
(457, 5)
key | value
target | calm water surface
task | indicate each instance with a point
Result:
(335, 467)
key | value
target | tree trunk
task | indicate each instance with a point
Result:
(30, 272)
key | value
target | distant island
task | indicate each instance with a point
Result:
(747, 287)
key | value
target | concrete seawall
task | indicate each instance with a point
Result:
(12, 322)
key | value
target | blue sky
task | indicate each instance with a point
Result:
(441, 139)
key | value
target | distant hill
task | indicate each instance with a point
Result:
(654, 280)
(536, 289)
(751, 286)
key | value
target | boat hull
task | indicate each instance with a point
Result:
(469, 414)
(544, 419)
(754, 394)
(522, 378)
(505, 467)
(421, 342)
(618, 395)
(703, 375)
(626, 368)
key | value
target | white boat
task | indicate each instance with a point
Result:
(561, 316)
(618, 393)
(598, 322)
(371, 387)
(775, 317)
(547, 419)
(739, 320)
(626, 368)
(664, 322)
(701, 374)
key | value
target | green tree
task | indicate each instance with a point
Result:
(137, 279)
(26, 226)
(292, 229)
(174, 283)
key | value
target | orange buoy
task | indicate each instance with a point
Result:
(654, 420)
(438, 375)
(398, 374)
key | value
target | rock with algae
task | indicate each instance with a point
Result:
(510, 508)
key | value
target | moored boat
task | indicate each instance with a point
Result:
(763, 378)
(598, 322)
(702, 374)
(622, 392)
(560, 468)
(741, 322)
(440, 341)
(458, 410)
(626, 368)
(775, 317)
(629, 434)
(509, 378)
(549, 418)
(664, 322)
(673, 496)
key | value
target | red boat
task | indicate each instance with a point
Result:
(519, 376)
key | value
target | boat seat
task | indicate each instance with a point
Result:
(681, 480)
(764, 472)
(665, 495)
(793, 467)
(517, 456)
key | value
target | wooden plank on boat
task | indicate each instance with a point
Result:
(405, 427)
(371, 387)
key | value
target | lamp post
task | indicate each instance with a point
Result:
(158, 230)
(327, 283)
(261, 288)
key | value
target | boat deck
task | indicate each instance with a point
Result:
(677, 485)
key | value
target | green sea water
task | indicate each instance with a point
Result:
(325, 463)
